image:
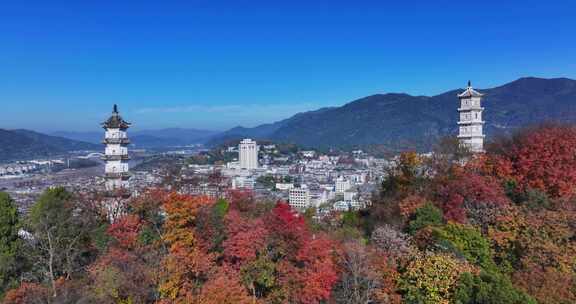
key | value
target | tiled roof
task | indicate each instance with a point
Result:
(470, 92)
(115, 121)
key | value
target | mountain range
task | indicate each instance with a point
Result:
(400, 121)
(26, 144)
(394, 121)
(148, 138)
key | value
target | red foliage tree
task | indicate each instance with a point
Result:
(468, 187)
(317, 273)
(224, 288)
(246, 237)
(288, 229)
(125, 231)
(542, 158)
(547, 285)
(27, 293)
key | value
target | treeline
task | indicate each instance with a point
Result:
(451, 228)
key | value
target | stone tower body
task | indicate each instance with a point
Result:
(470, 125)
(116, 152)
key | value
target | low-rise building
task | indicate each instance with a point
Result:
(299, 198)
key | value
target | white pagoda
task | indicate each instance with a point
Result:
(116, 152)
(470, 126)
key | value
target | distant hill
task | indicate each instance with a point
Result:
(402, 121)
(148, 138)
(261, 132)
(26, 144)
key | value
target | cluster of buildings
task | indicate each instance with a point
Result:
(322, 181)
(305, 179)
(17, 169)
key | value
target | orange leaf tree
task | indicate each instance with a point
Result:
(187, 266)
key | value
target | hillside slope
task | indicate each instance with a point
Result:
(26, 144)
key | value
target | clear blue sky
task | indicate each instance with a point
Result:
(215, 64)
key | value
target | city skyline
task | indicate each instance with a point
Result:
(198, 65)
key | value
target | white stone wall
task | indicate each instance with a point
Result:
(470, 130)
(116, 166)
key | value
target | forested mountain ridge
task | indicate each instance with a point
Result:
(24, 144)
(402, 121)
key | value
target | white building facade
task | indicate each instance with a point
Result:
(248, 150)
(116, 152)
(299, 198)
(470, 125)
(342, 184)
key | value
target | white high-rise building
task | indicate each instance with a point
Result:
(248, 150)
(116, 152)
(471, 124)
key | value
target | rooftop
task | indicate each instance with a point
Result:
(115, 121)
(470, 92)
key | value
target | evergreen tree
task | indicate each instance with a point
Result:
(10, 259)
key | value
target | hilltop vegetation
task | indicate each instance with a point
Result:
(451, 228)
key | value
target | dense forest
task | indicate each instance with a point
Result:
(499, 227)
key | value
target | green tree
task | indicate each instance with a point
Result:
(61, 232)
(466, 241)
(488, 288)
(259, 276)
(11, 262)
(427, 215)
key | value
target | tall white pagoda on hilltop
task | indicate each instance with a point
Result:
(470, 126)
(116, 152)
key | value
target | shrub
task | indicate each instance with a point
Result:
(488, 288)
(468, 242)
(431, 279)
(427, 215)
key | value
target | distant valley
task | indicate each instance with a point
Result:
(169, 137)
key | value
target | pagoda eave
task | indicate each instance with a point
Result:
(471, 122)
(121, 141)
